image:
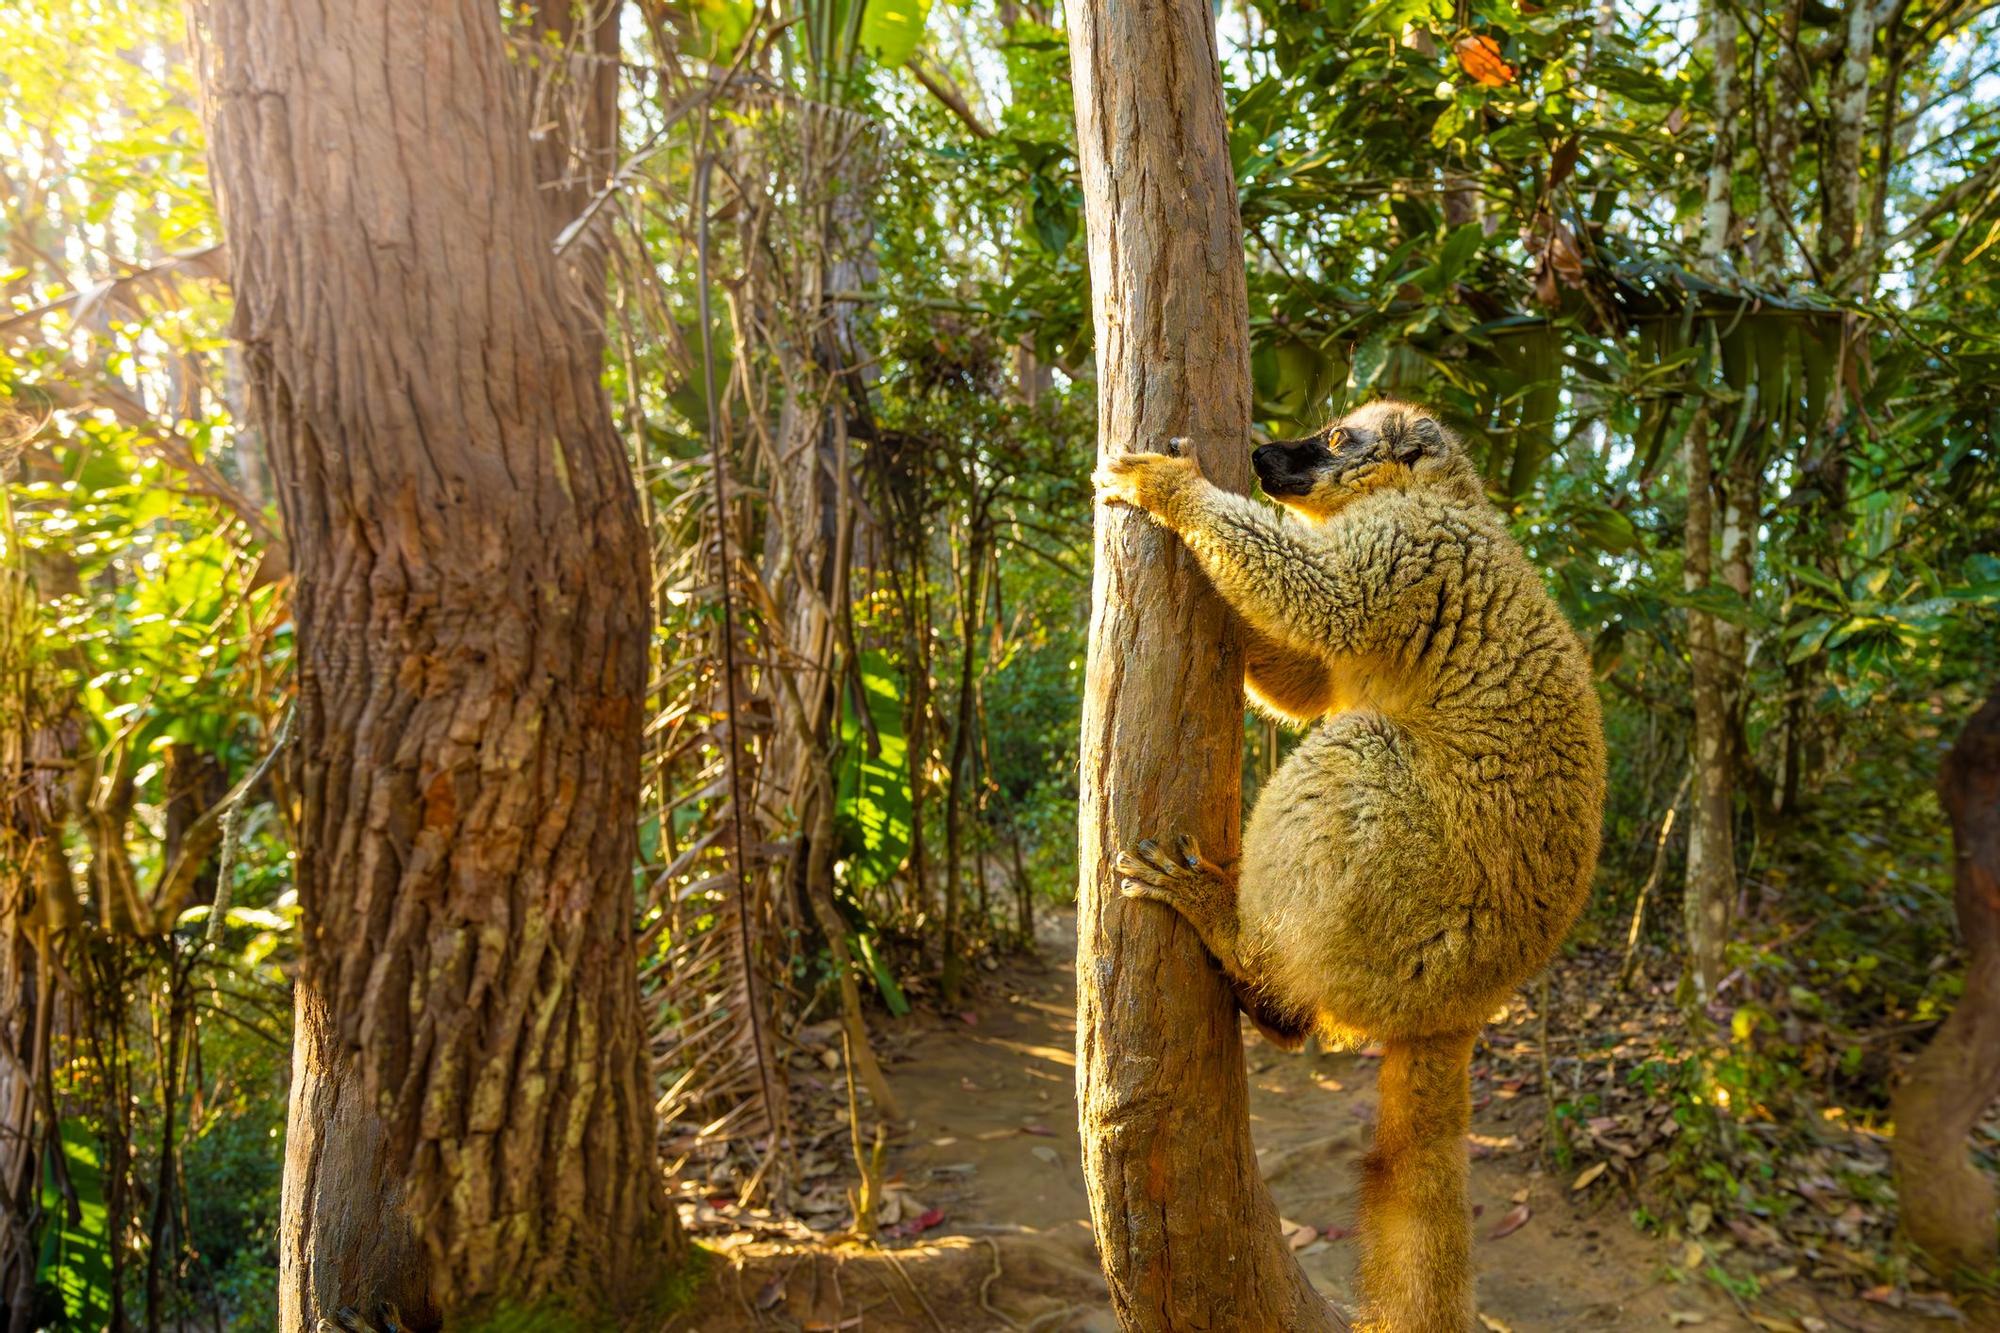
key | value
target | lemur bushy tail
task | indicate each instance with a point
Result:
(1416, 1252)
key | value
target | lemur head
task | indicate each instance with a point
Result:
(1384, 444)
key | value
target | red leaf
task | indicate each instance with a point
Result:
(924, 1221)
(1480, 57)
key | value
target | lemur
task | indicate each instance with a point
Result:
(1425, 849)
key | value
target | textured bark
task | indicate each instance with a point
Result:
(1947, 1199)
(1185, 1229)
(1711, 856)
(471, 1114)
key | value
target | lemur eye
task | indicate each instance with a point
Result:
(1336, 438)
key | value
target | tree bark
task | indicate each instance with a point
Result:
(1185, 1229)
(1711, 855)
(1947, 1200)
(471, 1116)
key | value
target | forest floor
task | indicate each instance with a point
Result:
(987, 1224)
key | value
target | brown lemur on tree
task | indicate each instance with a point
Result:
(1425, 849)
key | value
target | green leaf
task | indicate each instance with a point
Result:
(75, 1254)
(885, 980)
(891, 29)
(872, 807)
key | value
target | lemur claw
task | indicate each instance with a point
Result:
(1188, 850)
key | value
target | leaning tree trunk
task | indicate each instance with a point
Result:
(1947, 1200)
(1185, 1228)
(471, 1123)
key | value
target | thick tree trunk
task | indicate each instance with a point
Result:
(471, 1114)
(1185, 1229)
(1711, 855)
(1947, 1199)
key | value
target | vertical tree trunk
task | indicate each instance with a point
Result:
(1742, 505)
(1947, 1199)
(471, 1118)
(1711, 856)
(1718, 213)
(1185, 1229)
(1846, 132)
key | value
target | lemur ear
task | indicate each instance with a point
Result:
(1419, 436)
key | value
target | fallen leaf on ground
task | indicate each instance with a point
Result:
(1588, 1174)
(1683, 1318)
(922, 1222)
(1516, 1218)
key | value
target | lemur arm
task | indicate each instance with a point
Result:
(1318, 594)
(1287, 684)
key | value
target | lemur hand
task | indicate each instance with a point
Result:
(1148, 481)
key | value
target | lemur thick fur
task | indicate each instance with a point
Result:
(1425, 849)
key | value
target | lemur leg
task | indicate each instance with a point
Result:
(1205, 894)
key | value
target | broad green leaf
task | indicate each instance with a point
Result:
(891, 29)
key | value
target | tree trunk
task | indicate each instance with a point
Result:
(1711, 855)
(1947, 1199)
(1185, 1228)
(1718, 213)
(1742, 510)
(471, 1115)
(1846, 132)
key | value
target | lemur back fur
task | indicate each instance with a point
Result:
(1425, 849)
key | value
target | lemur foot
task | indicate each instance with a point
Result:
(1192, 885)
(349, 1320)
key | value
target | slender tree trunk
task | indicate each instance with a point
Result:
(1185, 1229)
(1742, 505)
(952, 974)
(1711, 863)
(471, 1115)
(1717, 214)
(1778, 152)
(1846, 132)
(1947, 1199)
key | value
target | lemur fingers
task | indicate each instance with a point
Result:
(1144, 481)
(1183, 880)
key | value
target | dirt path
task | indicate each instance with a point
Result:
(994, 1149)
